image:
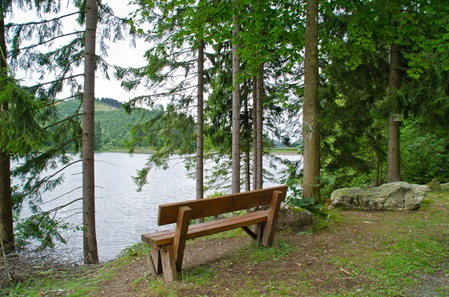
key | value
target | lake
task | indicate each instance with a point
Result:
(122, 213)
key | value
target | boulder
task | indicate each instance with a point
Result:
(293, 217)
(391, 196)
(445, 186)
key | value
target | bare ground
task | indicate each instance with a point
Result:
(329, 260)
(341, 260)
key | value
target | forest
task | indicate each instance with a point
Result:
(363, 85)
(112, 124)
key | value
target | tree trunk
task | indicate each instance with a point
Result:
(6, 217)
(311, 133)
(89, 231)
(200, 120)
(394, 164)
(6, 204)
(247, 145)
(259, 129)
(255, 152)
(235, 111)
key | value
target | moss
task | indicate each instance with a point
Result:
(434, 185)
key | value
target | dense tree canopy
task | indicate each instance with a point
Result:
(381, 71)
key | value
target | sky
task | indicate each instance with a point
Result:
(120, 54)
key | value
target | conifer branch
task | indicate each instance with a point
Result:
(44, 42)
(62, 206)
(63, 120)
(54, 199)
(55, 81)
(11, 25)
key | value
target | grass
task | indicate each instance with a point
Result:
(357, 254)
(60, 283)
(257, 254)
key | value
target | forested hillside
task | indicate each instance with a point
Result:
(112, 124)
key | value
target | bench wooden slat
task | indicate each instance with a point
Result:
(162, 238)
(168, 213)
(167, 247)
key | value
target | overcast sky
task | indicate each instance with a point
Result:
(120, 53)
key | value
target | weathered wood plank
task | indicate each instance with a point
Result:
(151, 265)
(179, 239)
(167, 247)
(208, 228)
(168, 263)
(249, 232)
(273, 212)
(168, 213)
(156, 259)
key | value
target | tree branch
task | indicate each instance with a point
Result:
(10, 25)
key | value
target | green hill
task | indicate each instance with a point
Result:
(113, 124)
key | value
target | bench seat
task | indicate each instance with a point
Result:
(167, 247)
(158, 239)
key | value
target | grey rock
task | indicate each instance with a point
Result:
(293, 217)
(391, 196)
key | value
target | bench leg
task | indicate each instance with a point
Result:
(179, 240)
(273, 212)
(258, 230)
(168, 263)
(154, 261)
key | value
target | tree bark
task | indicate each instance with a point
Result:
(6, 217)
(200, 123)
(235, 111)
(255, 151)
(259, 129)
(311, 132)
(6, 204)
(89, 231)
(246, 146)
(394, 164)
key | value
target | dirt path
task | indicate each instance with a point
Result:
(359, 254)
(197, 252)
(331, 260)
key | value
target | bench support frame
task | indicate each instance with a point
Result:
(167, 259)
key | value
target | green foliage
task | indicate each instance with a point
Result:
(356, 100)
(42, 228)
(113, 125)
(20, 130)
(424, 155)
(170, 132)
(353, 130)
(30, 129)
(295, 197)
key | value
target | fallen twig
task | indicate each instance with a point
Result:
(345, 271)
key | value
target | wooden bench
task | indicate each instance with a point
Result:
(167, 247)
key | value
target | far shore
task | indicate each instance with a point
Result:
(275, 151)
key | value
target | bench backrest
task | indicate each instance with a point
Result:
(168, 213)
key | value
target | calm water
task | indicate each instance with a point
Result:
(122, 213)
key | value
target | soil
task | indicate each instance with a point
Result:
(327, 262)
(197, 253)
(312, 257)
